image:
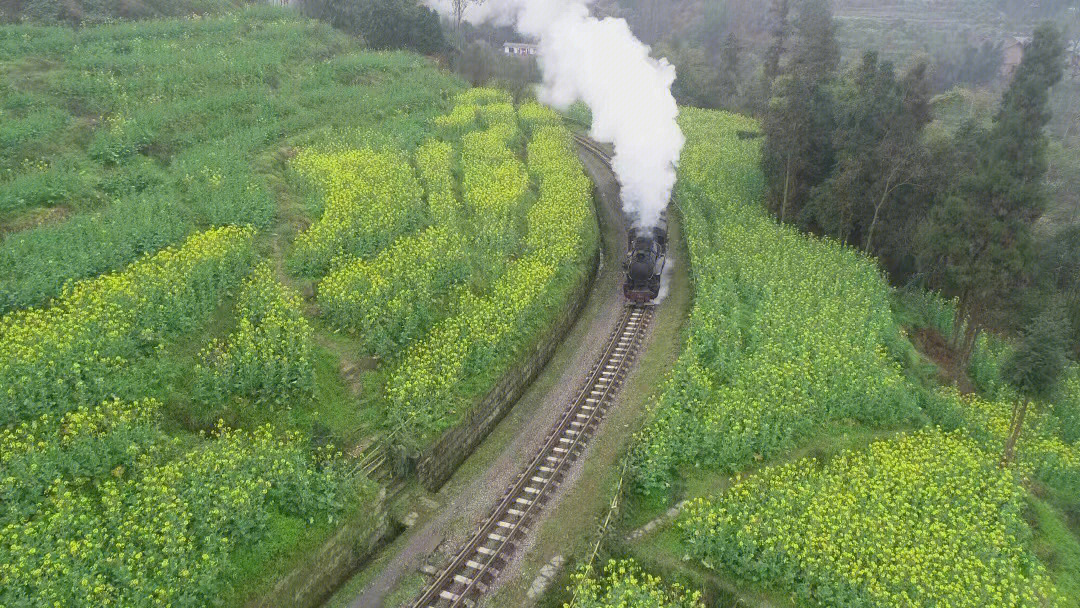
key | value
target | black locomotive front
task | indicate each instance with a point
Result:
(645, 259)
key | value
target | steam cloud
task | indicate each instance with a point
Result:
(600, 62)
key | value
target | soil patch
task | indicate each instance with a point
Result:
(935, 347)
(35, 218)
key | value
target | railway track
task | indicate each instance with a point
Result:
(477, 564)
(596, 150)
(474, 568)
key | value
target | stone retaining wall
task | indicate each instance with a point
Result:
(439, 461)
(311, 583)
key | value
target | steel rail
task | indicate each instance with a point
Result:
(533, 485)
(603, 381)
(591, 146)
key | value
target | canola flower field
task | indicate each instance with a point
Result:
(925, 519)
(623, 583)
(119, 487)
(269, 356)
(792, 337)
(787, 333)
(467, 284)
(109, 503)
(102, 505)
(120, 139)
(56, 358)
(181, 233)
(130, 528)
(370, 198)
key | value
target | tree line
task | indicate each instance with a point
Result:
(848, 154)
(383, 24)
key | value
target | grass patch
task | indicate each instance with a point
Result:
(1056, 545)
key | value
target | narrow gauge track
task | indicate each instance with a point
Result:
(477, 564)
(596, 151)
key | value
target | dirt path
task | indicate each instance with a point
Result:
(480, 481)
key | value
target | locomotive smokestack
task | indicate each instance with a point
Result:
(600, 62)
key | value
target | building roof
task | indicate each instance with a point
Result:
(518, 45)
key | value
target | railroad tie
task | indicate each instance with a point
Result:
(475, 565)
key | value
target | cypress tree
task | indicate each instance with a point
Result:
(976, 244)
(1035, 368)
(797, 154)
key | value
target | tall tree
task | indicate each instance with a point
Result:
(976, 244)
(460, 7)
(778, 13)
(728, 78)
(1060, 278)
(880, 120)
(797, 154)
(1035, 369)
(815, 53)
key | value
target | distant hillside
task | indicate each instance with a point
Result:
(896, 27)
(97, 11)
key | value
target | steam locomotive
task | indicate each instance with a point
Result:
(645, 259)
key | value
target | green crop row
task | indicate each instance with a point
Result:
(392, 300)
(146, 533)
(370, 197)
(60, 357)
(926, 519)
(269, 356)
(120, 139)
(430, 388)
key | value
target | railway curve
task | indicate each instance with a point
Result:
(474, 567)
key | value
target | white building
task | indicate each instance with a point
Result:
(518, 49)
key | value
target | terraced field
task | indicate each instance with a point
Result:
(222, 270)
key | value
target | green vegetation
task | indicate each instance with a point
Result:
(182, 231)
(623, 583)
(269, 356)
(86, 12)
(142, 144)
(75, 353)
(150, 530)
(383, 24)
(369, 199)
(788, 334)
(924, 519)
(531, 249)
(825, 529)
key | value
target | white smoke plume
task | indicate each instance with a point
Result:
(600, 62)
